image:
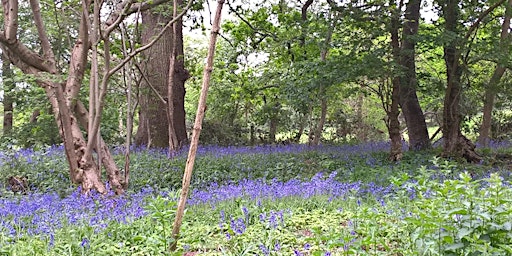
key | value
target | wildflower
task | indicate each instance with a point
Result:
(264, 249)
(52, 241)
(85, 242)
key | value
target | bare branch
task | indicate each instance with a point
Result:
(304, 10)
(11, 20)
(43, 37)
(78, 63)
(126, 8)
(24, 54)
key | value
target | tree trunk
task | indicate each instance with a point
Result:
(274, 121)
(322, 90)
(7, 78)
(455, 144)
(181, 75)
(321, 121)
(201, 108)
(490, 90)
(414, 118)
(302, 123)
(64, 97)
(152, 130)
(392, 111)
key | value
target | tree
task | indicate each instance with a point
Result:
(201, 108)
(455, 143)
(409, 103)
(152, 130)
(392, 111)
(491, 89)
(62, 89)
(8, 102)
(163, 90)
(178, 75)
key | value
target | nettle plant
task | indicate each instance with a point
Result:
(461, 216)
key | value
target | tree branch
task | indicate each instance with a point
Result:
(43, 37)
(266, 34)
(148, 45)
(11, 19)
(481, 17)
(126, 8)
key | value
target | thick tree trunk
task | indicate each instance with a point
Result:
(490, 90)
(414, 118)
(7, 78)
(455, 144)
(152, 129)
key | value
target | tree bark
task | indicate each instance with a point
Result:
(414, 118)
(491, 89)
(153, 126)
(274, 121)
(181, 75)
(176, 87)
(7, 78)
(162, 83)
(322, 90)
(63, 97)
(455, 144)
(201, 108)
(392, 111)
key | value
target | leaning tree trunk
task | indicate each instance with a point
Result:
(490, 90)
(201, 108)
(414, 118)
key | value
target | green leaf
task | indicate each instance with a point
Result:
(454, 247)
(463, 232)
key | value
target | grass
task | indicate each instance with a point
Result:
(286, 200)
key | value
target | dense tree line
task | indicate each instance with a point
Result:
(309, 71)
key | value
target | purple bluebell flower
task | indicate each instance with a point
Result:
(264, 249)
(85, 242)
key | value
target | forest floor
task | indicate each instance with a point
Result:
(266, 200)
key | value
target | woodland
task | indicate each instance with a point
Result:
(321, 127)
